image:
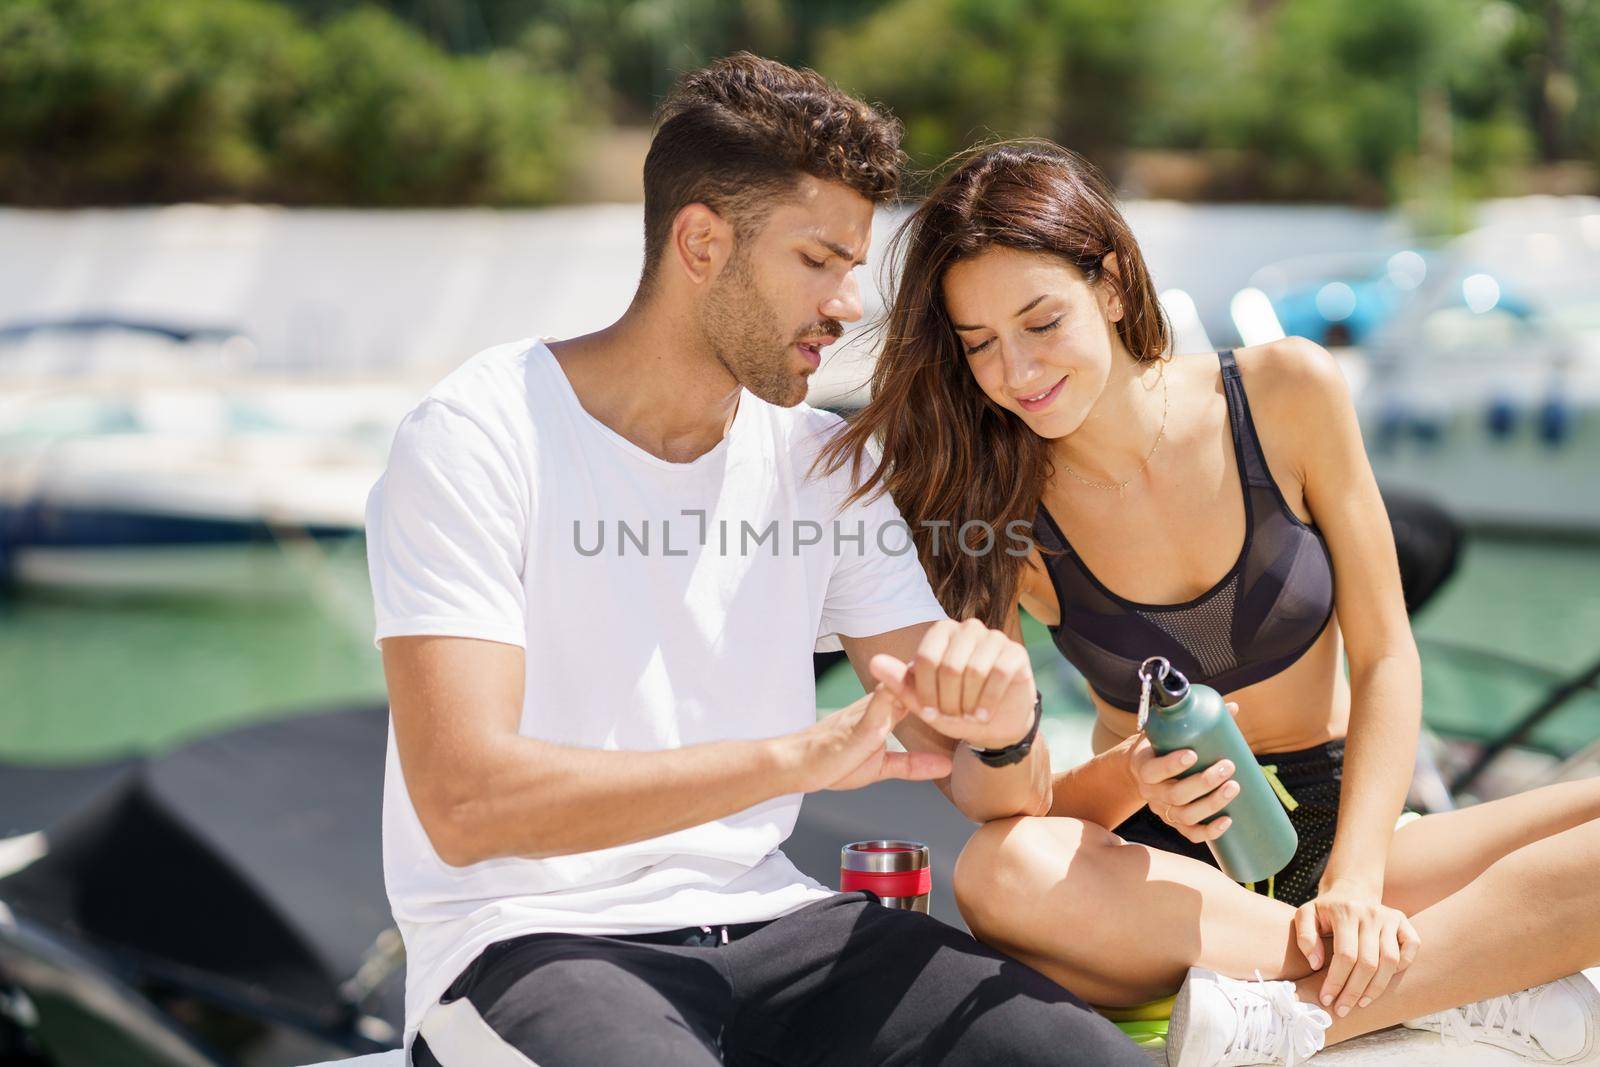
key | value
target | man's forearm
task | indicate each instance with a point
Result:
(984, 793)
(534, 799)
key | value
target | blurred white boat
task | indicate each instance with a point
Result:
(1338, 300)
(152, 513)
(1484, 390)
(1477, 367)
(149, 457)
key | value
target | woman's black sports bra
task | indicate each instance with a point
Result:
(1261, 617)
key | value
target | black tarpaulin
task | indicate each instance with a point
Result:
(248, 862)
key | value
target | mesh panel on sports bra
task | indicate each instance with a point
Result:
(1262, 616)
(1205, 630)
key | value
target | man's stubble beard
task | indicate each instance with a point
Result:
(743, 333)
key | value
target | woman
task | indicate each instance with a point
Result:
(1024, 376)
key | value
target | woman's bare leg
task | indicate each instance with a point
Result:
(1437, 855)
(1118, 924)
(1531, 917)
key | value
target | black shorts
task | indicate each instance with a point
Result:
(843, 981)
(1313, 778)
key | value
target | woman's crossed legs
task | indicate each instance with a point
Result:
(1502, 894)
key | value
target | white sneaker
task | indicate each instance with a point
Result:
(1558, 1022)
(1223, 1022)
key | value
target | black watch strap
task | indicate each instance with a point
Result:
(1005, 757)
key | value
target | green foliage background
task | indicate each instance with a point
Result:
(158, 100)
(488, 101)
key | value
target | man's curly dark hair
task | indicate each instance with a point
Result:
(738, 134)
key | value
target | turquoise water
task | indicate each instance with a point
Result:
(1516, 618)
(86, 677)
(94, 676)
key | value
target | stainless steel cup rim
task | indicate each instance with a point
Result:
(919, 904)
(883, 856)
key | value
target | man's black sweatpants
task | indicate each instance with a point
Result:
(844, 981)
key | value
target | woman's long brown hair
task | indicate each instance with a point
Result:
(950, 454)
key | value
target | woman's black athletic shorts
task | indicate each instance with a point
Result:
(1311, 778)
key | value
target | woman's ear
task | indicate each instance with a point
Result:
(1112, 293)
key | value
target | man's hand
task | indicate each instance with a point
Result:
(847, 750)
(966, 681)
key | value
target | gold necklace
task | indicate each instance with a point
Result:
(1162, 432)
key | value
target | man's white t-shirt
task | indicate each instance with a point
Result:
(659, 604)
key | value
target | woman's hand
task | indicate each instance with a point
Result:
(1371, 944)
(1184, 803)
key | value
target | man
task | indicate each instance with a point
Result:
(600, 566)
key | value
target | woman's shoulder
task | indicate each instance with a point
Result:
(1284, 365)
(1297, 392)
(1291, 369)
(1291, 382)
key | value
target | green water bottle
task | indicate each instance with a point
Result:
(1176, 715)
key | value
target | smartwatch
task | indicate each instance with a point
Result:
(1005, 757)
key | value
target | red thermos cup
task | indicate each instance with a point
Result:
(898, 871)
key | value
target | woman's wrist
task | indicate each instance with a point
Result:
(1357, 864)
(1351, 883)
(1123, 754)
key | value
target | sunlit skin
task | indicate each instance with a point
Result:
(1042, 342)
(786, 291)
(724, 314)
(1062, 332)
